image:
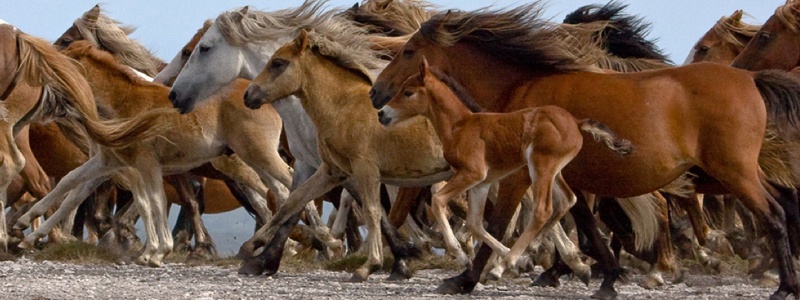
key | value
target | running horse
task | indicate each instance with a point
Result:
(777, 44)
(705, 117)
(483, 148)
(723, 42)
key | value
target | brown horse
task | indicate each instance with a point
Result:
(777, 44)
(723, 42)
(483, 148)
(530, 67)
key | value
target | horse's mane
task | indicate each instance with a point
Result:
(390, 17)
(732, 30)
(517, 36)
(458, 89)
(83, 49)
(787, 14)
(258, 26)
(624, 36)
(111, 35)
(350, 50)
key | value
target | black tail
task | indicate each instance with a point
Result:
(781, 93)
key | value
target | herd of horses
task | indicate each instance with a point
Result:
(451, 129)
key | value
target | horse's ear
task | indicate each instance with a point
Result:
(237, 17)
(424, 68)
(92, 15)
(736, 17)
(354, 8)
(302, 42)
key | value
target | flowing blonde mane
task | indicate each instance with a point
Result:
(390, 17)
(112, 36)
(351, 50)
(243, 26)
(732, 30)
(787, 14)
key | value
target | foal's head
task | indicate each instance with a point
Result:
(283, 75)
(412, 100)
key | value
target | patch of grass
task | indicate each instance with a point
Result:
(441, 262)
(77, 252)
(4, 256)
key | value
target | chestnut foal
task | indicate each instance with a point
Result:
(483, 148)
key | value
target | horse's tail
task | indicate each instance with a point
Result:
(42, 65)
(602, 133)
(781, 93)
(641, 211)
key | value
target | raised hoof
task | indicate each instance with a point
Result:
(246, 250)
(493, 275)
(449, 287)
(605, 294)
(20, 225)
(546, 280)
(400, 272)
(252, 267)
(25, 244)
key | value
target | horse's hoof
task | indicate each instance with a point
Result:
(494, 275)
(141, 261)
(400, 271)
(25, 244)
(779, 295)
(448, 287)
(546, 280)
(154, 263)
(650, 283)
(246, 250)
(252, 267)
(680, 276)
(605, 294)
(358, 277)
(584, 275)
(20, 225)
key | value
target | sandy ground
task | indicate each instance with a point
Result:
(27, 279)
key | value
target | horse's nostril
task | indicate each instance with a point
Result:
(247, 94)
(371, 93)
(380, 114)
(172, 96)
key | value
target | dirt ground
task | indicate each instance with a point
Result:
(25, 278)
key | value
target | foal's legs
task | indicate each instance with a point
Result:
(458, 184)
(11, 162)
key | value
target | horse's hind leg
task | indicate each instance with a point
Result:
(183, 183)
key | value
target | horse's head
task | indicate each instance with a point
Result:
(170, 72)
(412, 100)
(283, 75)
(723, 42)
(404, 65)
(777, 44)
(215, 63)
(89, 20)
(9, 59)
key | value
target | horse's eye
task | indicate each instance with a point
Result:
(65, 42)
(408, 53)
(408, 93)
(278, 63)
(764, 36)
(703, 49)
(204, 49)
(186, 53)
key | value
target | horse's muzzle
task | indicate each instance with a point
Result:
(379, 96)
(253, 97)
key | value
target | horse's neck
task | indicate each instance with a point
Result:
(332, 95)
(491, 92)
(445, 111)
(126, 98)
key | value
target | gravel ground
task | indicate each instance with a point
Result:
(27, 279)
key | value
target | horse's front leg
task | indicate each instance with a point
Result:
(278, 229)
(367, 178)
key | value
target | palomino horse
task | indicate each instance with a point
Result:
(200, 138)
(64, 93)
(331, 79)
(484, 148)
(530, 67)
(212, 65)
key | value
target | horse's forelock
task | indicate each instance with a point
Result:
(788, 15)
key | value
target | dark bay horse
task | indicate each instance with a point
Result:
(705, 117)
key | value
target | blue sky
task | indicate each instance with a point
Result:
(164, 26)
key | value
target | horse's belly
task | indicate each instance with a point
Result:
(603, 173)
